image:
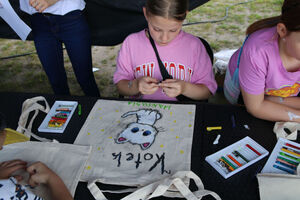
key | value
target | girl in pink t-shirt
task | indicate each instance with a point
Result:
(182, 54)
(269, 67)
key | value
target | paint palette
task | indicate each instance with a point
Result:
(236, 157)
(284, 159)
(58, 117)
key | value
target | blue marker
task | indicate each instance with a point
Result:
(285, 165)
(283, 169)
(233, 121)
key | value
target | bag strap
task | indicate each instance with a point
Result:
(98, 194)
(163, 71)
(161, 187)
(28, 106)
(236, 72)
(240, 53)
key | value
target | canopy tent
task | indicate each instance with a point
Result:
(110, 21)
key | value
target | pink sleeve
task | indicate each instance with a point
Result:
(124, 69)
(203, 73)
(252, 70)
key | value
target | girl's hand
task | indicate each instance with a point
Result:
(41, 5)
(172, 87)
(39, 174)
(7, 168)
(147, 85)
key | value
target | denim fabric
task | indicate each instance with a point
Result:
(50, 32)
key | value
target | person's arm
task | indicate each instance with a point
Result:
(143, 85)
(41, 5)
(41, 174)
(262, 108)
(2, 138)
(173, 88)
(293, 102)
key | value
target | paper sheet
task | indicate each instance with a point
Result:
(13, 20)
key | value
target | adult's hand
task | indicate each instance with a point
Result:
(41, 5)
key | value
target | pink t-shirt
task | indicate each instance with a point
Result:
(185, 58)
(261, 69)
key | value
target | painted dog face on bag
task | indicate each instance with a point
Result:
(143, 131)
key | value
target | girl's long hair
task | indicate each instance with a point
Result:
(290, 17)
(170, 9)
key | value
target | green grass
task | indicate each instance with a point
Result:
(25, 74)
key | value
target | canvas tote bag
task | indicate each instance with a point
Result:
(281, 128)
(279, 186)
(161, 188)
(52, 153)
(35, 105)
(66, 160)
(136, 143)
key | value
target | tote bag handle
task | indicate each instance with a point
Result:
(161, 188)
(164, 187)
(28, 106)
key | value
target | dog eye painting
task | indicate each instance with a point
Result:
(142, 132)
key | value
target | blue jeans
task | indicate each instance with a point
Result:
(49, 32)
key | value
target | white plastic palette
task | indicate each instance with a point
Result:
(289, 157)
(246, 152)
(58, 104)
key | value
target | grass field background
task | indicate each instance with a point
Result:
(25, 74)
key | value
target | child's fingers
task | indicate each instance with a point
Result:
(33, 168)
(18, 177)
(33, 181)
(170, 92)
(13, 163)
(151, 80)
(167, 84)
(170, 81)
(9, 167)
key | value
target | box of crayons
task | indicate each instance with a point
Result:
(284, 158)
(58, 117)
(236, 157)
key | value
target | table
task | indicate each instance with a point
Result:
(242, 185)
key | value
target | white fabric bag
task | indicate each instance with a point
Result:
(161, 188)
(28, 106)
(136, 143)
(66, 160)
(293, 127)
(279, 186)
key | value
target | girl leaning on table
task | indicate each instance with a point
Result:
(268, 63)
(39, 173)
(183, 55)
